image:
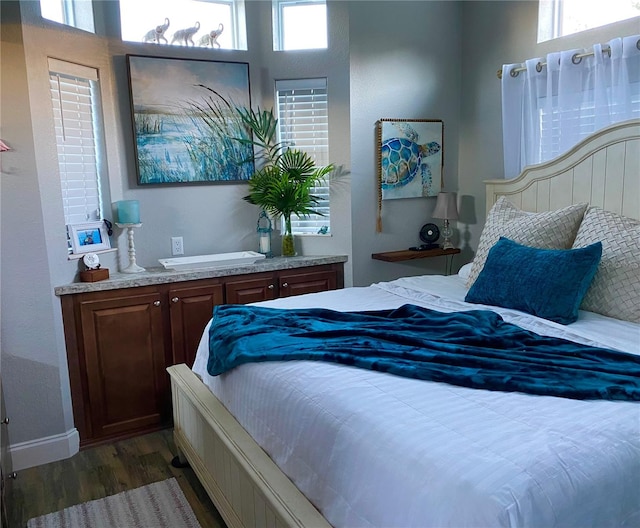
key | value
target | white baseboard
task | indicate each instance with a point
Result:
(44, 450)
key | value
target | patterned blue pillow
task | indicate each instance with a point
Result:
(548, 283)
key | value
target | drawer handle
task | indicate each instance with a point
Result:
(270, 286)
(174, 299)
(13, 475)
(156, 303)
(5, 421)
(285, 284)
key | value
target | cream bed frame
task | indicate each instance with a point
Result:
(603, 170)
(244, 483)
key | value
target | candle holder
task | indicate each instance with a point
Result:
(264, 229)
(128, 211)
(132, 267)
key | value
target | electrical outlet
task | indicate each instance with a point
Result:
(177, 246)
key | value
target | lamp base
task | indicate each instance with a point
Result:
(447, 245)
(132, 268)
(446, 234)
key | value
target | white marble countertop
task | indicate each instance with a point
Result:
(159, 275)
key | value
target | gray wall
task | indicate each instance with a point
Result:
(405, 63)
(214, 218)
(32, 345)
(390, 59)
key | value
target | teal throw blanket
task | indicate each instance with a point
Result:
(475, 349)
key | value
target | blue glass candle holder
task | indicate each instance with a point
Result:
(128, 211)
(264, 229)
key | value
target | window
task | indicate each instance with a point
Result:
(558, 18)
(77, 115)
(303, 123)
(76, 13)
(582, 119)
(299, 24)
(550, 104)
(215, 23)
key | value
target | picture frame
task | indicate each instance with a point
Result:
(410, 157)
(175, 139)
(88, 237)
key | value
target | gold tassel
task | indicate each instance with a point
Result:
(379, 178)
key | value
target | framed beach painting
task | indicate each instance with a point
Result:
(410, 157)
(178, 138)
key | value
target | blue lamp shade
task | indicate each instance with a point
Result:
(128, 211)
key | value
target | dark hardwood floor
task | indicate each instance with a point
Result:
(102, 471)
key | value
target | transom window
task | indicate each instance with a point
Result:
(299, 24)
(558, 18)
(197, 23)
(76, 13)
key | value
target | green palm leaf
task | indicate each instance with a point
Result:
(284, 182)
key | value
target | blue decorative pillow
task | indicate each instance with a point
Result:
(548, 283)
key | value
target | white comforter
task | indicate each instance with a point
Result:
(373, 449)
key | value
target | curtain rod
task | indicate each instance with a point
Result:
(577, 57)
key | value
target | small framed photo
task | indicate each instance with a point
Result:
(88, 237)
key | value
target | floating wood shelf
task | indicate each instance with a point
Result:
(408, 254)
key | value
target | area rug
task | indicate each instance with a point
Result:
(158, 505)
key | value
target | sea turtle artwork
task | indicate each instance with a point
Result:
(410, 159)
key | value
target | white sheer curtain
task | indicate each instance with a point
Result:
(547, 109)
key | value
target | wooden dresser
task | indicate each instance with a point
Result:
(122, 333)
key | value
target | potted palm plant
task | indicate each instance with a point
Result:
(285, 177)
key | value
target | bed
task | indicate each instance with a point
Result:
(307, 443)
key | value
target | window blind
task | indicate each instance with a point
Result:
(303, 123)
(74, 99)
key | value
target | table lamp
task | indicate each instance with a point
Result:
(446, 209)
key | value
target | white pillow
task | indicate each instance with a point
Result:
(615, 290)
(465, 271)
(544, 230)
